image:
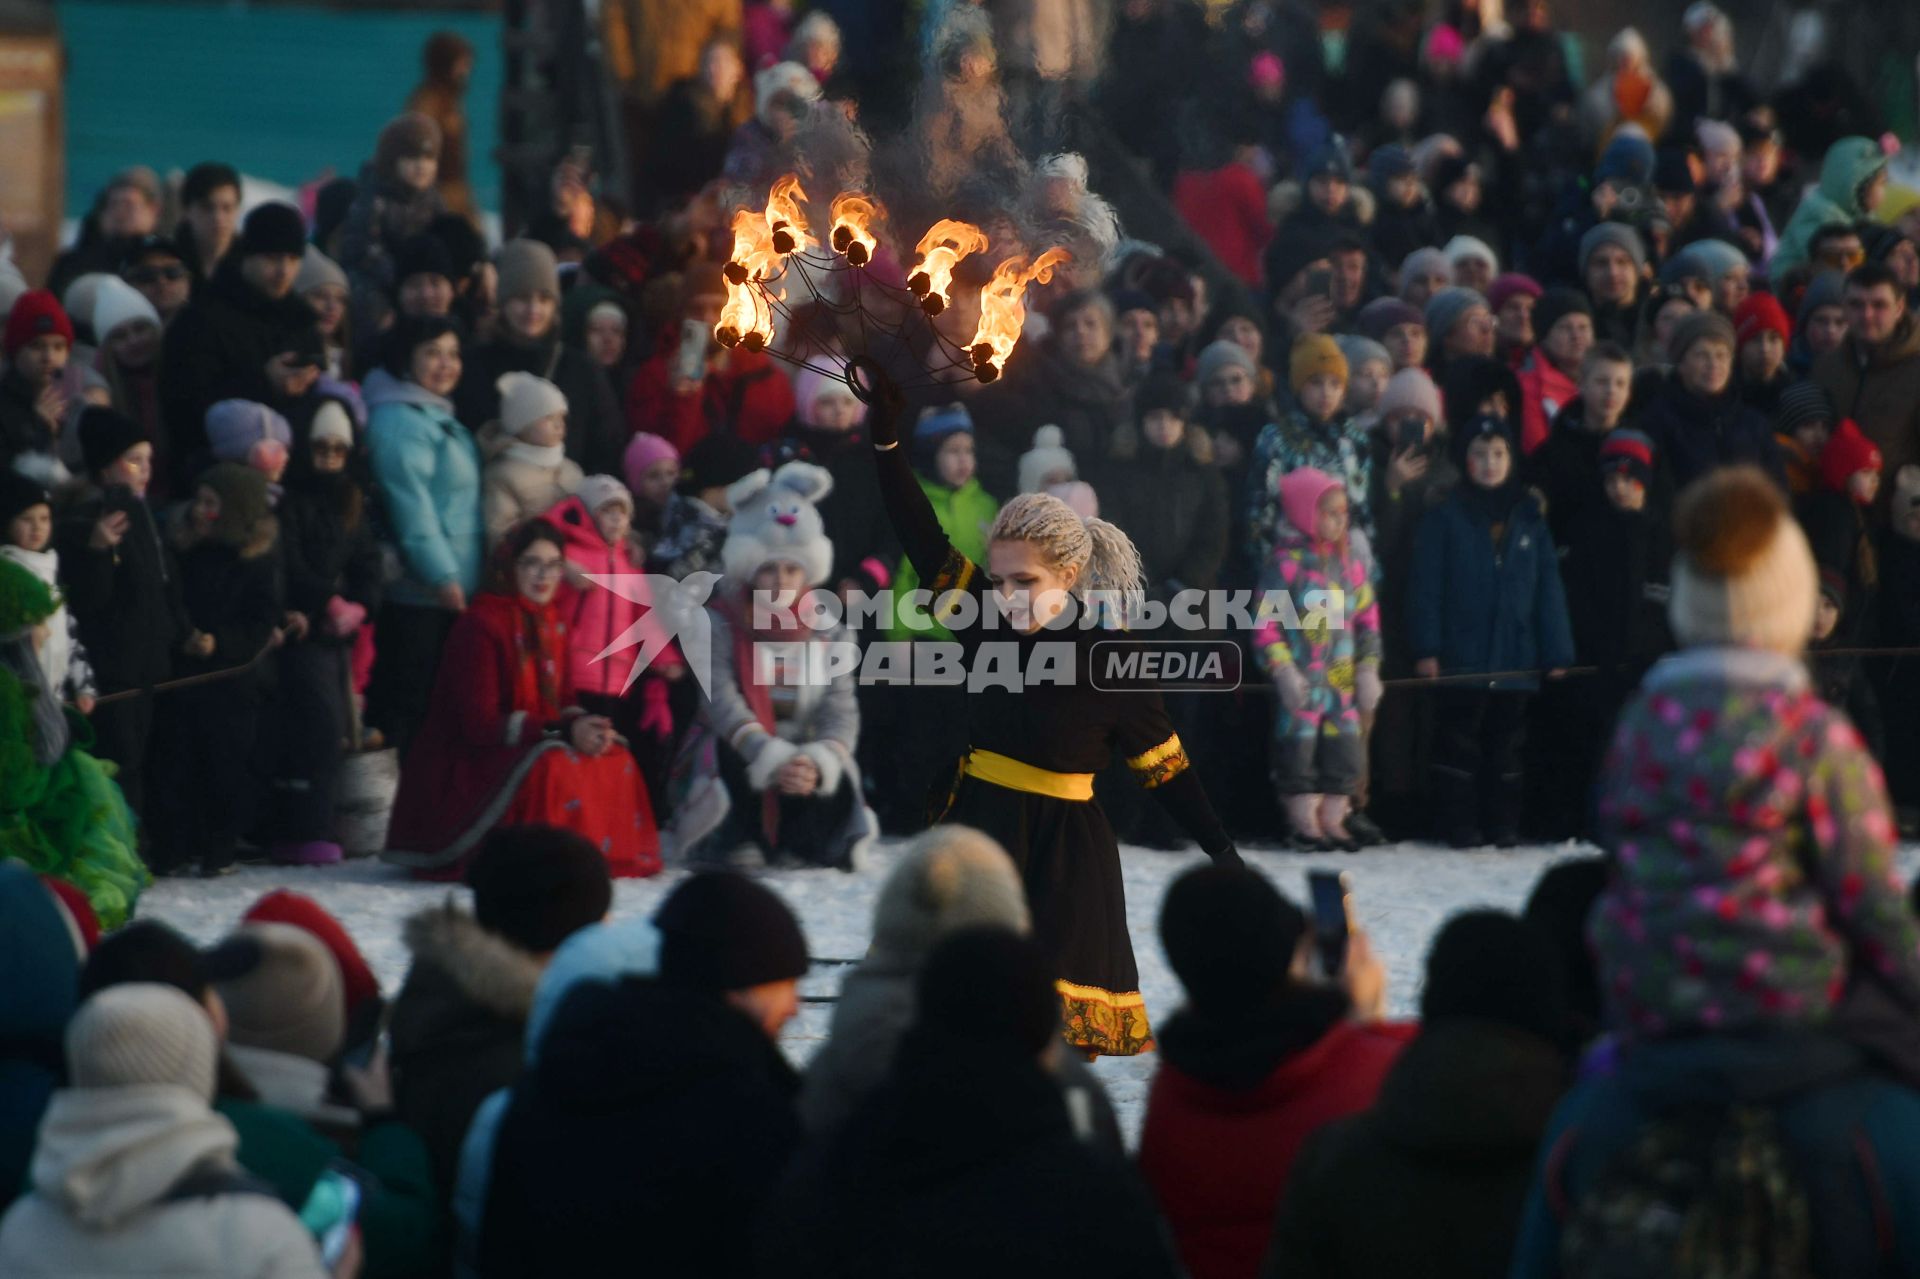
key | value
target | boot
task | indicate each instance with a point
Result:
(1364, 831)
(1303, 817)
(1333, 824)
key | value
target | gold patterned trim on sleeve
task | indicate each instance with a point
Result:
(1161, 764)
(1106, 1023)
(956, 574)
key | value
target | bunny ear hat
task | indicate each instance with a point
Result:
(775, 518)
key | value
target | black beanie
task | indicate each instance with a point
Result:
(1163, 390)
(1492, 966)
(19, 494)
(1230, 936)
(466, 247)
(1556, 305)
(1486, 426)
(105, 435)
(1561, 901)
(147, 950)
(991, 986)
(422, 254)
(721, 931)
(274, 229)
(536, 886)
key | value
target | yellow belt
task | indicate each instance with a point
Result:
(1004, 770)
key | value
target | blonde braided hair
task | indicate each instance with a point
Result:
(1105, 556)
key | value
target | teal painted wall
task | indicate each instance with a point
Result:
(281, 93)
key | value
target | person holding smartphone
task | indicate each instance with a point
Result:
(696, 387)
(1273, 1043)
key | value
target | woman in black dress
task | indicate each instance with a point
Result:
(1027, 777)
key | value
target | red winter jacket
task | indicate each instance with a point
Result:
(1227, 208)
(1217, 1159)
(1544, 391)
(751, 398)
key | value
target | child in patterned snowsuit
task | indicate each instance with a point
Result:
(1327, 669)
(1752, 881)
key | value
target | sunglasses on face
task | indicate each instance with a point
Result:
(156, 274)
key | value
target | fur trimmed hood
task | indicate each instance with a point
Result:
(484, 967)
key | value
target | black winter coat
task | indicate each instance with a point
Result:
(126, 599)
(1174, 507)
(1616, 574)
(852, 514)
(648, 1134)
(1432, 1180)
(964, 1163)
(233, 594)
(216, 349)
(1693, 435)
(22, 429)
(596, 429)
(1398, 231)
(324, 555)
(1566, 471)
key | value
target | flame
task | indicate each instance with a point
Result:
(940, 250)
(784, 219)
(1003, 309)
(853, 218)
(747, 317)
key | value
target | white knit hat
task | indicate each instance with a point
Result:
(142, 1033)
(1049, 453)
(526, 398)
(116, 303)
(950, 877)
(331, 422)
(1743, 575)
(597, 490)
(1906, 489)
(318, 271)
(1462, 247)
(79, 298)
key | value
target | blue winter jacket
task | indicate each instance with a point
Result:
(41, 974)
(1851, 1135)
(1480, 607)
(428, 469)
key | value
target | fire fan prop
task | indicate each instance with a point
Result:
(775, 246)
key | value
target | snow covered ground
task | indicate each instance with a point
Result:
(1401, 895)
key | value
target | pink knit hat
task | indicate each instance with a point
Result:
(645, 450)
(809, 386)
(1300, 494)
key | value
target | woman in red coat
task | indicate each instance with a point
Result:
(504, 745)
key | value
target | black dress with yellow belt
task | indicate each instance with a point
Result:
(1027, 780)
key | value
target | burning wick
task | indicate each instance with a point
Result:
(783, 241)
(844, 242)
(940, 249)
(853, 217)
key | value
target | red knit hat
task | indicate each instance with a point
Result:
(283, 906)
(80, 910)
(35, 314)
(1848, 453)
(1758, 314)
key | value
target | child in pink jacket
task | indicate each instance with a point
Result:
(597, 522)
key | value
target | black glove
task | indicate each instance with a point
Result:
(871, 383)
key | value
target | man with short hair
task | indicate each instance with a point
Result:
(1873, 376)
(246, 337)
(127, 209)
(210, 202)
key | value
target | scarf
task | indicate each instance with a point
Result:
(546, 456)
(56, 654)
(736, 608)
(539, 647)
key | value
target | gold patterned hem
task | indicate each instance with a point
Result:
(1160, 765)
(1105, 1023)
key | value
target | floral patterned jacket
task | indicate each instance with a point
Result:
(1325, 653)
(1340, 448)
(1752, 853)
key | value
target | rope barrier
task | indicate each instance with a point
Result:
(192, 681)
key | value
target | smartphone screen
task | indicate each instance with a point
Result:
(690, 361)
(330, 1213)
(1330, 891)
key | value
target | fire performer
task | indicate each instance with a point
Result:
(1027, 778)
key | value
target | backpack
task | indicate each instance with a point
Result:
(1707, 1193)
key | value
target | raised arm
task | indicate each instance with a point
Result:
(914, 522)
